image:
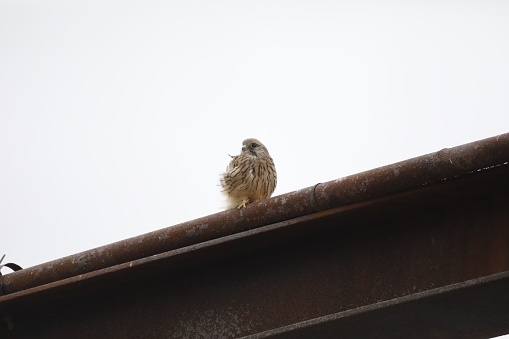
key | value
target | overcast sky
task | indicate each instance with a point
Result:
(117, 117)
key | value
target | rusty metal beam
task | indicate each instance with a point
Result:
(429, 169)
(395, 232)
(475, 309)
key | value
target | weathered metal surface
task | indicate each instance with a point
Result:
(476, 309)
(370, 239)
(429, 169)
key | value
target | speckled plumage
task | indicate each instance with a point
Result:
(250, 176)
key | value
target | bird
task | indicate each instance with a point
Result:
(250, 176)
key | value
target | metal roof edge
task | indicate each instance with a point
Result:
(417, 172)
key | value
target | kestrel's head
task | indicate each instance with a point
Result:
(254, 147)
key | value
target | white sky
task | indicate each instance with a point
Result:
(117, 117)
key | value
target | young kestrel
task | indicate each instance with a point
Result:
(250, 176)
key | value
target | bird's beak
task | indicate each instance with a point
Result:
(245, 148)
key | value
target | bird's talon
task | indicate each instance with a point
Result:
(244, 203)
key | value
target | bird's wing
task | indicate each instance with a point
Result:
(235, 174)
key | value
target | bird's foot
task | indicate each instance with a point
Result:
(244, 203)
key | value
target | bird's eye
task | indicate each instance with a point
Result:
(254, 145)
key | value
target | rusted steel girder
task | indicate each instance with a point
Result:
(481, 302)
(428, 169)
(434, 223)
